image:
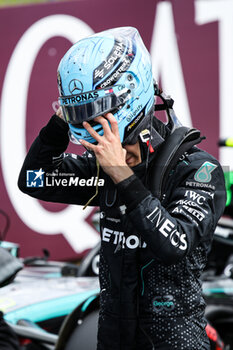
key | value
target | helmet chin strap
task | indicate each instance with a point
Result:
(151, 137)
(167, 105)
(149, 146)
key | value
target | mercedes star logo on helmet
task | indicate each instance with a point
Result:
(75, 87)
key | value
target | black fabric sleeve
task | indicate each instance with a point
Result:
(132, 191)
(48, 154)
(55, 132)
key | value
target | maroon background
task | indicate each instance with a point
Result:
(198, 47)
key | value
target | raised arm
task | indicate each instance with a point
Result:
(48, 154)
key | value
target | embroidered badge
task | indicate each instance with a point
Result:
(203, 174)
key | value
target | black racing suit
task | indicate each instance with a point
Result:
(152, 252)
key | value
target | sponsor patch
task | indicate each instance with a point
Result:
(167, 229)
(203, 174)
(165, 303)
(133, 113)
(195, 197)
(134, 123)
(93, 95)
(121, 62)
(199, 185)
(115, 56)
(118, 238)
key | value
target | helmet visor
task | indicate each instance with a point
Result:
(86, 106)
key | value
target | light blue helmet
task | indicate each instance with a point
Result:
(107, 72)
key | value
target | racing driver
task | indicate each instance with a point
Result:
(160, 196)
